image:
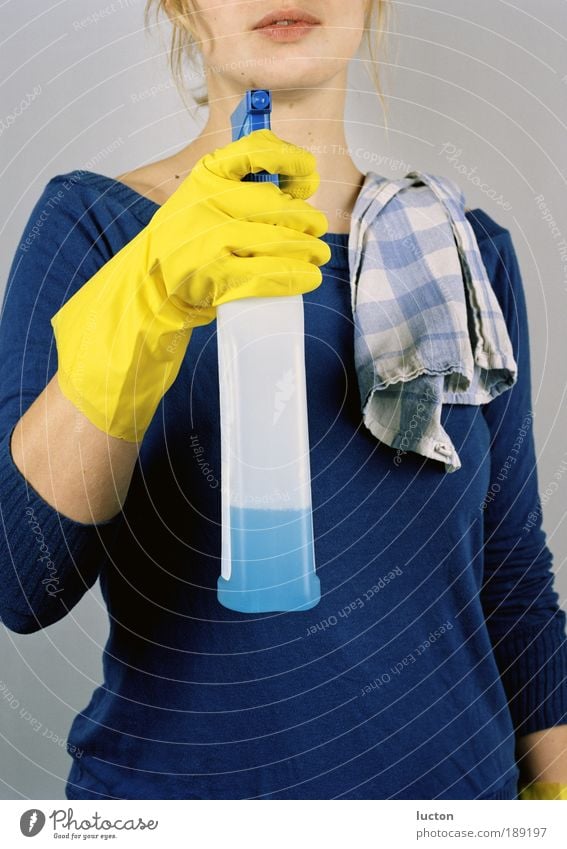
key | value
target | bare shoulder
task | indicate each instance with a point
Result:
(156, 181)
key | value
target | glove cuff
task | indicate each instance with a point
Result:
(543, 790)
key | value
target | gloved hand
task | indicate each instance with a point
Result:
(122, 337)
(543, 790)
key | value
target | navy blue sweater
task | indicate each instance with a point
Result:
(438, 638)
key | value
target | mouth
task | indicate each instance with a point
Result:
(286, 24)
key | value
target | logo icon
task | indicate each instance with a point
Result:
(285, 389)
(31, 822)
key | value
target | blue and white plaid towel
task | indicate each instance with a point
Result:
(428, 328)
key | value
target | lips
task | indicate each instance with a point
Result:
(298, 16)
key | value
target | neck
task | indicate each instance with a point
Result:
(313, 119)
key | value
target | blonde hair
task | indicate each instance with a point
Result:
(184, 43)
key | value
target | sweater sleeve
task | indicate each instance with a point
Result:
(525, 622)
(47, 561)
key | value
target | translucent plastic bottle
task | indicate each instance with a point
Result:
(268, 558)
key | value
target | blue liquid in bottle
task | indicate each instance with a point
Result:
(272, 562)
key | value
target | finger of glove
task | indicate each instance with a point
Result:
(261, 277)
(248, 239)
(265, 202)
(262, 150)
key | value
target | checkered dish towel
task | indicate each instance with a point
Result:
(428, 328)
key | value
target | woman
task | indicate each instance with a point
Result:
(434, 665)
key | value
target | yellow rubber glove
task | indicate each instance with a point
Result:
(122, 337)
(543, 790)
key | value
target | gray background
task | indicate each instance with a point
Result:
(488, 78)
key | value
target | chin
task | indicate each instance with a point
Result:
(277, 76)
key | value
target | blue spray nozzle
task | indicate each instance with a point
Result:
(253, 113)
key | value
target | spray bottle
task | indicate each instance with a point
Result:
(268, 557)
